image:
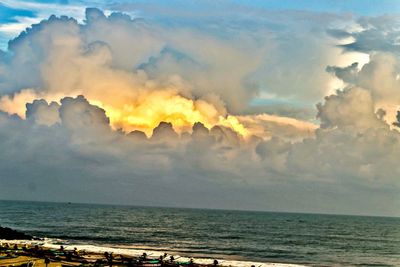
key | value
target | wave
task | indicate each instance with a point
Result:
(135, 251)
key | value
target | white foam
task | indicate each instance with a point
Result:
(136, 252)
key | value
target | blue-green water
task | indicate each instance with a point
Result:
(311, 239)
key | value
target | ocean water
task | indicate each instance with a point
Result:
(232, 237)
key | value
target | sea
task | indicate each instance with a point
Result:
(234, 238)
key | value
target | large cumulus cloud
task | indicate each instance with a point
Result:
(60, 80)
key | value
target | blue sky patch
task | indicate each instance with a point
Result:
(8, 14)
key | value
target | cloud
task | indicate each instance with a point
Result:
(252, 50)
(96, 63)
(118, 109)
(353, 151)
(379, 77)
(90, 153)
(18, 15)
(378, 34)
(351, 108)
(267, 126)
(42, 113)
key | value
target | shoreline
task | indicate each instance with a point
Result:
(94, 255)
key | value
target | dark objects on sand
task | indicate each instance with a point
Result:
(69, 258)
(73, 258)
(10, 234)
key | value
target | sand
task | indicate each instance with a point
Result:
(31, 256)
(22, 258)
(90, 258)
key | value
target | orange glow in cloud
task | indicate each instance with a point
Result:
(16, 104)
(143, 112)
(168, 106)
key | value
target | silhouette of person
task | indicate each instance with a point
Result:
(110, 259)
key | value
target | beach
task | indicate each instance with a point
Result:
(27, 253)
(20, 254)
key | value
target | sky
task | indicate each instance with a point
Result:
(252, 105)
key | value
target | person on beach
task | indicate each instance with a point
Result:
(110, 259)
(38, 251)
(215, 262)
